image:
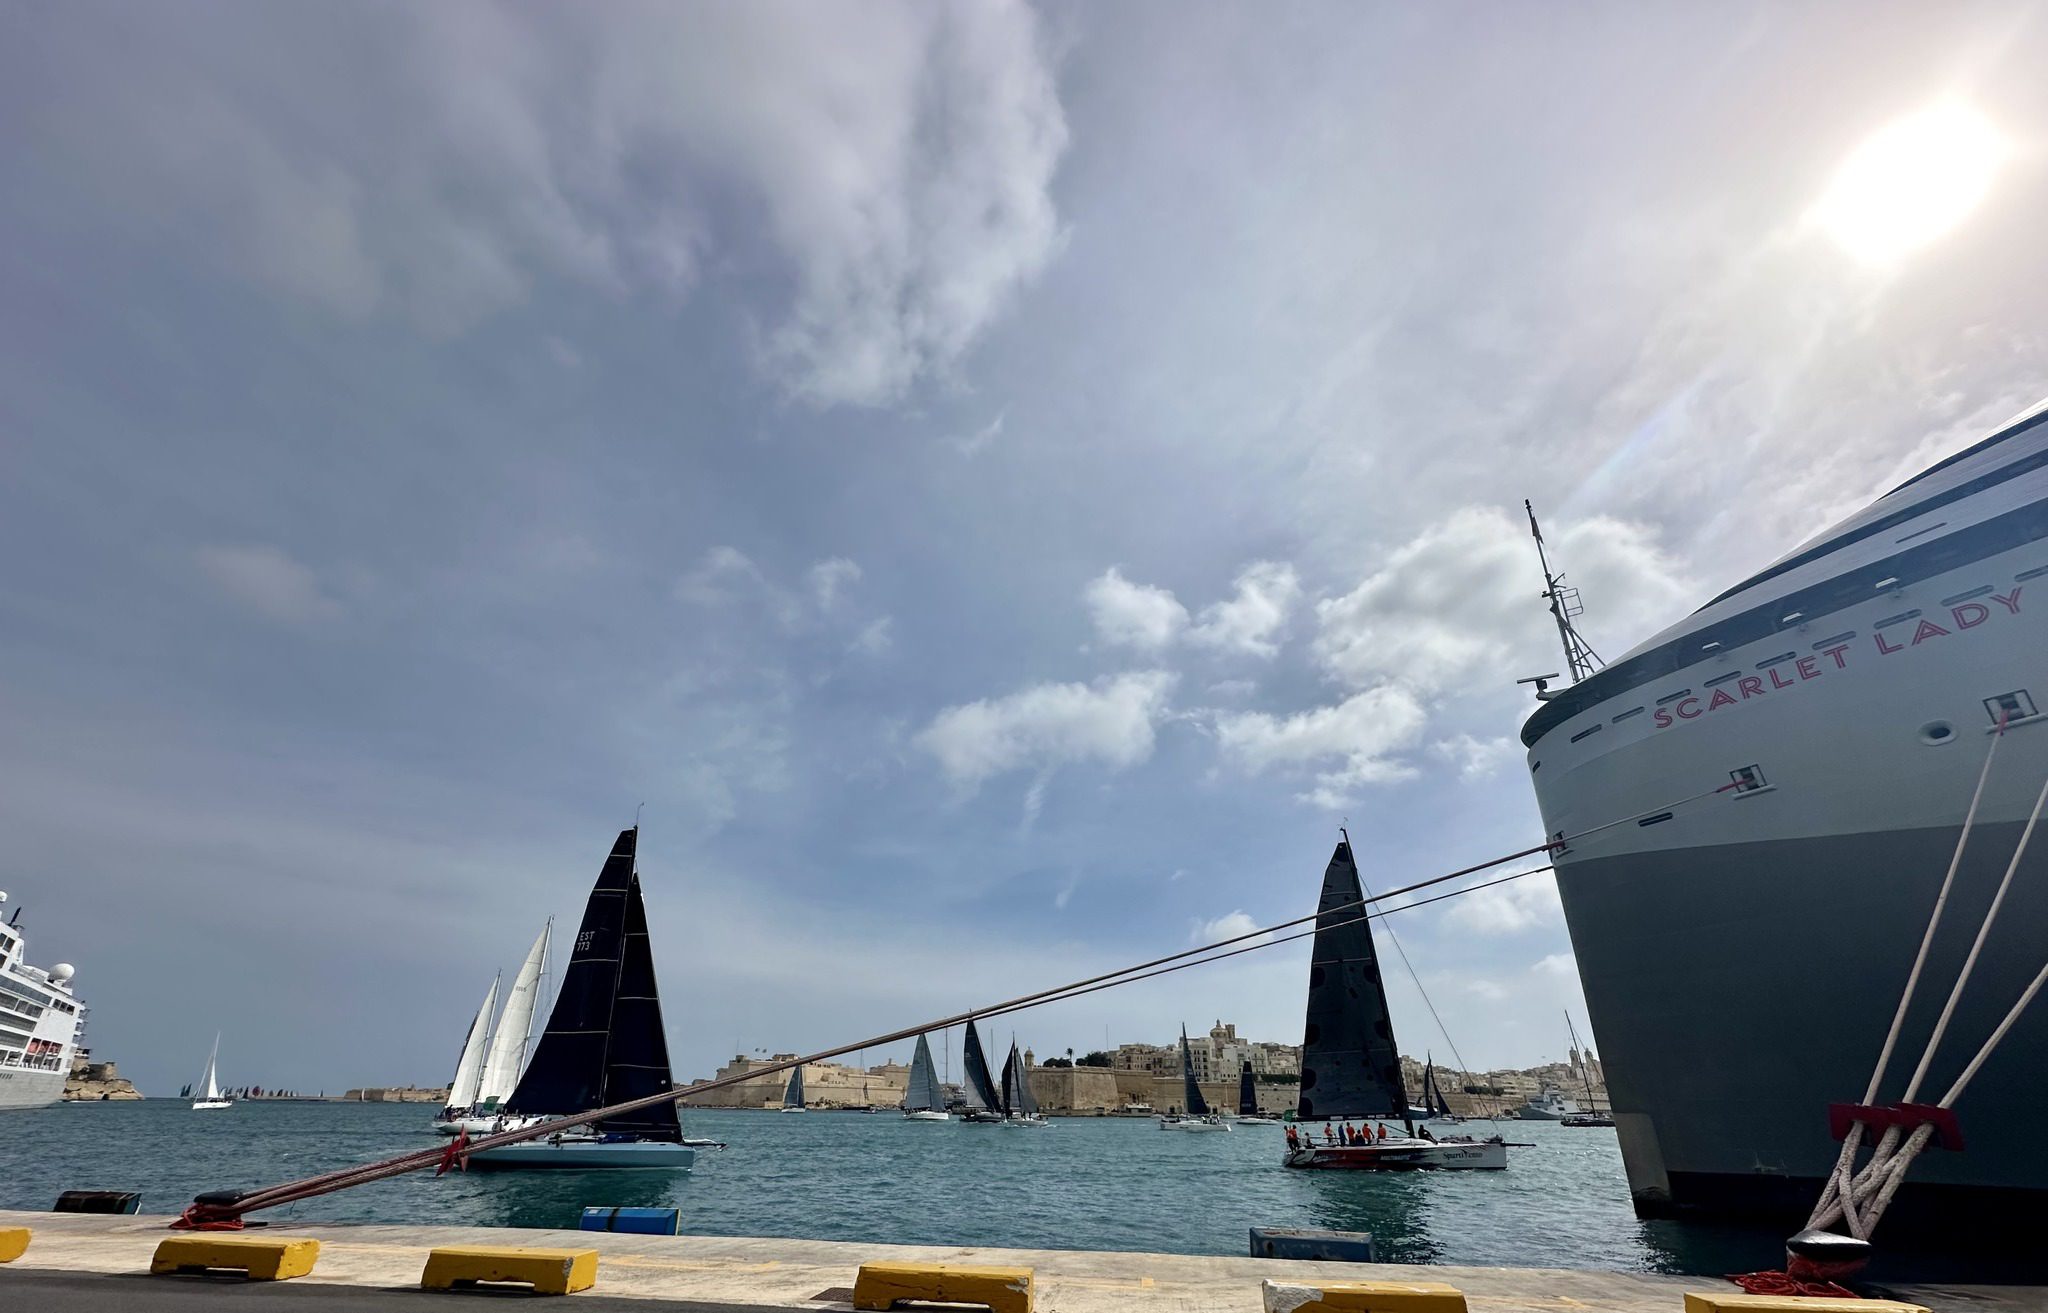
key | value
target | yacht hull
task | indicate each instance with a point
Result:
(641, 1155)
(1401, 1156)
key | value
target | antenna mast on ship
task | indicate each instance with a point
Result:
(1579, 656)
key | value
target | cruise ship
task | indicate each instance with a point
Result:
(1743, 952)
(40, 1022)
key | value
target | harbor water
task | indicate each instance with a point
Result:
(1082, 1183)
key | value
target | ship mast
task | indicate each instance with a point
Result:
(1579, 656)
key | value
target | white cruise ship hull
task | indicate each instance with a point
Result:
(1742, 955)
(25, 1088)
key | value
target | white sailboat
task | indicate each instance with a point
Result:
(209, 1088)
(474, 1107)
(923, 1100)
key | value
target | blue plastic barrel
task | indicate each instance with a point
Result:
(633, 1221)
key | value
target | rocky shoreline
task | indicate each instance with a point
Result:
(92, 1082)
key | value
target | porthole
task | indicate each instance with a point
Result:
(1937, 731)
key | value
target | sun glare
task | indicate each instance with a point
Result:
(1912, 181)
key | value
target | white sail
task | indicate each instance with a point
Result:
(212, 1081)
(469, 1069)
(515, 1028)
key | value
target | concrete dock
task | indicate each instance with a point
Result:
(81, 1262)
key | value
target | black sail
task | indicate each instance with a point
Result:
(603, 1042)
(637, 1063)
(1350, 1066)
(1010, 1099)
(1247, 1094)
(981, 1088)
(1197, 1105)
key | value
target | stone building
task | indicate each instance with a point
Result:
(826, 1085)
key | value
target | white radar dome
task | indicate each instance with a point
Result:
(62, 972)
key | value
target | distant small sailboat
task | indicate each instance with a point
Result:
(1248, 1113)
(603, 1044)
(1350, 1067)
(984, 1103)
(793, 1093)
(1019, 1107)
(1590, 1116)
(924, 1100)
(210, 1095)
(1435, 1107)
(1197, 1117)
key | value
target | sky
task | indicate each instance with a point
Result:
(992, 487)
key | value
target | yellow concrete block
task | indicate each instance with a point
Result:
(13, 1242)
(1363, 1297)
(260, 1258)
(1737, 1302)
(548, 1271)
(1000, 1289)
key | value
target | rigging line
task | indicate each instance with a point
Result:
(229, 1206)
(1427, 1002)
(1004, 1009)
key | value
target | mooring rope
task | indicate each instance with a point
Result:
(1860, 1198)
(1839, 1180)
(225, 1209)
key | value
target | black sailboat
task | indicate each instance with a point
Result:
(1020, 1107)
(924, 1100)
(1197, 1116)
(604, 1042)
(1433, 1101)
(984, 1103)
(1247, 1092)
(1350, 1065)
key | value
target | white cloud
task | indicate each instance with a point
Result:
(1517, 907)
(1228, 926)
(1459, 601)
(1136, 615)
(268, 581)
(973, 443)
(1345, 746)
(876, 637)
(1048, 725)
(715, 578)
(828, 577)
(1562, 966)
(1248, 621)
(1476, 758)
(888, 167)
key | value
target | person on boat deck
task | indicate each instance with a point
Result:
(1293, 1140)
(1383, 1131)
(1329, 1136)
(1350, 1134)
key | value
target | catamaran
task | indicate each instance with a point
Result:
(793, 1093)
(210, 1095)
(492, 1061)
(1019, 1107)
(984, 1104)
(603, 1043)
(1350, 1066)
(1248, 1113)
(924, 1100)
(1197, 1117)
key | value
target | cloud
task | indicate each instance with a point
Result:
(1247, 622)
(717, 577)
(1476, 758)
(1047, 725)
(1135, 615)
(973, 443)
(1228, 926)
(1460, 600)
(1563, 966)
(268, 581)
(875, 638)
(827, 578)
(1343, 746)
(888, 171)
(1515, 908)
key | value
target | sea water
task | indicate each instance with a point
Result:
(1080, 1183)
